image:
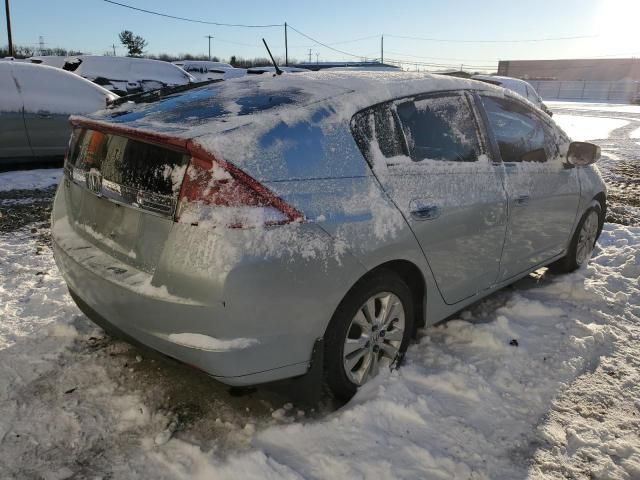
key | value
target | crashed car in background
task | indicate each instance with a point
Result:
(516, 85)
(203, 70)
(35, 104)
(126, 75)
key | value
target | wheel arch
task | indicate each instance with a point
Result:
(412, 276)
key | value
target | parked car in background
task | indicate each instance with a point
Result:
(521, 87)
(127, 75)
(246, 227)
(203, 70)
(35, 104)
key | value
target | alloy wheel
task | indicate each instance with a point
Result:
(373, 337)
(587, 237)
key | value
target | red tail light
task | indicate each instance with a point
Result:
(217, 193)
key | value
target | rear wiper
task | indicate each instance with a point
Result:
(158, 93)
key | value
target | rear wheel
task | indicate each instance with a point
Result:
(369, 331)
(582, 243)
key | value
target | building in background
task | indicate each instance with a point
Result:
(598, 79)
(597, 69)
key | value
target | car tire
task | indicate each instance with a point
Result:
(583, 241)
(374, 322)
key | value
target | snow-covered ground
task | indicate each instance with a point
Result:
(540, 380)
(580, 127)
(29, 179)
(595, 106)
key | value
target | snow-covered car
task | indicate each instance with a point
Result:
(204, 70)
(365, 68)
(260, 227)
(261, 70)
(57, 61)
(521, 87)
(127, 75)
(35, 104)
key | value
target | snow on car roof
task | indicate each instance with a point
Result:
(343, 92)
(205, 63)
(230, 118)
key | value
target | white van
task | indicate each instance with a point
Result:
(126, 75)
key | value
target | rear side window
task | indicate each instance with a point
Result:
(376, 131)
(439, 128)
(521, 135)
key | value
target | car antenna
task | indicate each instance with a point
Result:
(278, 71)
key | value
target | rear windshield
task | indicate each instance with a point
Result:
(128, 171)
(212, 101)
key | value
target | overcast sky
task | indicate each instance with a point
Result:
(93, 25)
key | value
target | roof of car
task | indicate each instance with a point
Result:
(332, 96)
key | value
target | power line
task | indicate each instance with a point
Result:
(451, 40)
(468, 61)
(447, 58)
(166, 15)
(324, 44)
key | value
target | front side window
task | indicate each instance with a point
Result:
(521, 135)
(439, 128)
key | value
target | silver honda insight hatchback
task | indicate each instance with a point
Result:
(243, 227)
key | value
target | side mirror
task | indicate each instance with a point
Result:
(583, 153)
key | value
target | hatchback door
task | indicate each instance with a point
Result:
(14, 142)
(429, 156)
(543, 190)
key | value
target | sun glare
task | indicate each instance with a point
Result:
(617, 25)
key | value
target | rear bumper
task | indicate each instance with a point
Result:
(253, 321)
(151, 321)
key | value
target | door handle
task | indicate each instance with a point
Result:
(426, 212)
(522, 200)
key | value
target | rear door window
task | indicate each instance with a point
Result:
(439, 128)
(521, 135)
(435, 127)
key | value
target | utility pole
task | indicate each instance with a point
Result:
(114, 49)
(209, 37)
(381, 48)
(286, 46)
(317, 55)
(6, 6)
(309, 55)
